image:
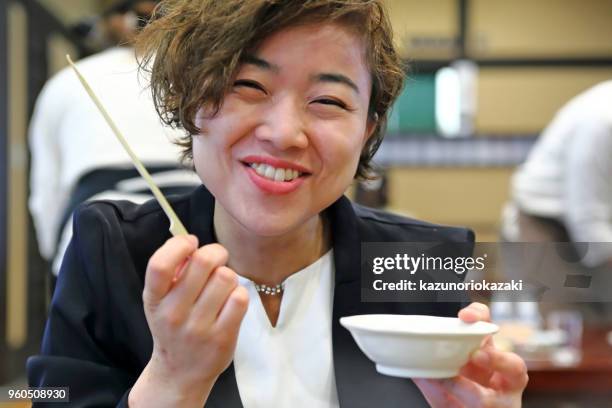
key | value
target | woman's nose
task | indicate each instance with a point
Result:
(283, 125)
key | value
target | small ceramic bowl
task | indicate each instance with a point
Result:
(415, 346)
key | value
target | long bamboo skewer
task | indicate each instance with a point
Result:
(176, 226)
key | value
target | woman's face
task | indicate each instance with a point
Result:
(286, 141)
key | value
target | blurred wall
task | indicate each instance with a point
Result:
(541, 29)
(32, 50)
(533, 56)
(425, 29)
(466, 196)
(70, 11)
(16, 244)
(522, 100)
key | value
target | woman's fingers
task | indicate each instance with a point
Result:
(475, 312)
(183, 319)
(458, 392)
(496, 369)
(436, 394)
(478, 368)
(215, 294)
(510, 371)
(233, 311)
(162, 267)
(194, 278)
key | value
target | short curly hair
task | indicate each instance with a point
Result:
(193, 50)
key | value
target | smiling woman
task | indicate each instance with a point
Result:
(284, 103)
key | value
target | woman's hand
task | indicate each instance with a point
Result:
(194, 308)
(492, 378)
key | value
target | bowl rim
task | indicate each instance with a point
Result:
(482, 328)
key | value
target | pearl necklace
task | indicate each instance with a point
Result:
(270, 290)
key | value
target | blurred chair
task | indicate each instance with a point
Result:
(373, 193)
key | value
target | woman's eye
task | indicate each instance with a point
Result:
(332, 102)
(249, 84)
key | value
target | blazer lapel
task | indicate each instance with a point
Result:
(224, 393)
(357, 381)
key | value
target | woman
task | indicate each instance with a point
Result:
(284, 103)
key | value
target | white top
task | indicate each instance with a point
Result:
(290, 365)
(68, 136)
(568, 174)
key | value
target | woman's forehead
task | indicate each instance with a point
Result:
(318, 46)
(314, 36)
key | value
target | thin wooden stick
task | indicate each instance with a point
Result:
(176, 227)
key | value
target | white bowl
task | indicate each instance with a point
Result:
(415, 346)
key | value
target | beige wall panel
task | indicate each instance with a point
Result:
(524, 100)
(16, 245)
(470, 197)
(69, 11)
(425, 19)
(540, 28)
(58, 47)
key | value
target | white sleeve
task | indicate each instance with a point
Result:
(588, 189)
(47, 201)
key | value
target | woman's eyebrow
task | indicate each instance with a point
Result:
(322, 77)
(336, 78)
(259, 62)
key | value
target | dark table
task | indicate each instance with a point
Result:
(588, 383)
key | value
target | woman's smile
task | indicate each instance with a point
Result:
(274, 176)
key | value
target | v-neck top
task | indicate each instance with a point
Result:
(290, 363)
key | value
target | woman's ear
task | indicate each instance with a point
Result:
(371, 125)
(200, 118)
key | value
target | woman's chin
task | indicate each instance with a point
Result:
(269, 226)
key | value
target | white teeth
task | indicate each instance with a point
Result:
(269, 172)
(279, 175)
(260, 169)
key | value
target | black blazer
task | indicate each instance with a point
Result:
(97, 340)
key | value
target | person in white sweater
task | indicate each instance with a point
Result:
(71, 145)
(563, 192)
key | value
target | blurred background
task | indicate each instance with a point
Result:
(484, 79)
